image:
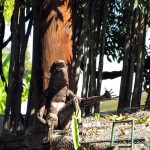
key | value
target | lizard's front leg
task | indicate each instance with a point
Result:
(52, 118)
(76, 101)
(77, 109)
(52, 122)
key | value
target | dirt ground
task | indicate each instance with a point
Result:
(95, 134)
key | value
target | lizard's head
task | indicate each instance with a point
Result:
(58, 65)
(59, 73)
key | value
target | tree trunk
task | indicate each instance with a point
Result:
(131, 60)
(21, 50)
(12, 81)
(51, 42)
(12, 116)
(77, 38)
(140, 63)
(85, 46)
(92, 50)
(126, 67)
(101, 52)
(57, 44)
(147, 69)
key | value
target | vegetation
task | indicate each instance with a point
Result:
(75, 131)
(116, 29)
(148, 142)
(26, 79)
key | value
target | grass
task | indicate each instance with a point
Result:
(112, 104)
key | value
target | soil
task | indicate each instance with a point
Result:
(95, 134)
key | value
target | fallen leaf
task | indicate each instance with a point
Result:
(123, 132)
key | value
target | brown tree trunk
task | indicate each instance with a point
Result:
(52, 41)
(57, 34)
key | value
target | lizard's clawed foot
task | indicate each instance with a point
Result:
(46, 140)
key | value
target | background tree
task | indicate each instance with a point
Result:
(133, 54)
(19, 39)
(89, 28)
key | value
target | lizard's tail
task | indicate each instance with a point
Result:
(92, 100)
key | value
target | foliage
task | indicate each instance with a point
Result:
(75, 131)
(8, 10)
(116, 31)
(148, 142)
(26, 79)
(118, 20)
(3, 95)
(2, 99)
(116, 147)
(26, 86)
(120, 117)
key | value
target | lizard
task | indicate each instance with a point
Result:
(58, 101)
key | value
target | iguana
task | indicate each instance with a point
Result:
(59, 103)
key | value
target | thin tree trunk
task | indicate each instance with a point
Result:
(36, 83)
(92, 62)
(98, 24)
(140, 64)
(16, 69)
(131, 61)
(77, 27)
(102, 47)
(12, 81)
(85, 47)
(85, 73)
(22, 50)
(147, 104)
(101, 52)
(124, 79)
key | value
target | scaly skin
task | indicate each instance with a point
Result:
(59, 103)
(56, 97)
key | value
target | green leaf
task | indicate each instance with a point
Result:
(75, 133)
(78, 113)
(6, 60)
(135, 4)
(96, 116)
(147, 141)
(8, 9)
